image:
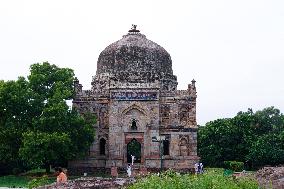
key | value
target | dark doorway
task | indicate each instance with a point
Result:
(102, 146)
(134, 148)
(166, 147)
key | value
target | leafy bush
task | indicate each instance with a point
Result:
(38, 182)
(234, 165)
(210, 179)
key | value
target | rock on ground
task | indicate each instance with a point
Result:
(271, 177)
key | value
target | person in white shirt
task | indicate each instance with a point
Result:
(128, 170)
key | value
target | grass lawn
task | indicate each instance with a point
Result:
(22, 181)
(19, 181)
(14, 181)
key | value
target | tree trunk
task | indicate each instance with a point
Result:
(47, 168)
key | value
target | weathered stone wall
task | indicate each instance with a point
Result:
(122, 114)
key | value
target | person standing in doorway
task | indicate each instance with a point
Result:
(132, 159)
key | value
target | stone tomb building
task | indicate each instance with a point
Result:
(135, 99)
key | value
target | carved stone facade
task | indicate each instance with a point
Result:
(135, 98)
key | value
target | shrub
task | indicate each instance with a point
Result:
(210, 179)
(38, 182)
(234, 165)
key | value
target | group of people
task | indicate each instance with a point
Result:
(62, 177)
(129, 166)
(198, 168)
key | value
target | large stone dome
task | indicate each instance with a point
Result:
(135, 53)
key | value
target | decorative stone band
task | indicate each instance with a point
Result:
(121, 85)
(134, 95)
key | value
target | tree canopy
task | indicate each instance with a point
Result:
(254, 138)
(37, 127)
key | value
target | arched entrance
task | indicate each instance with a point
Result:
(102, 146)
(134, 148)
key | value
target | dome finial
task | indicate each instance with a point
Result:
(133, 29)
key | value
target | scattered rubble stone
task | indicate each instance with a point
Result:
(271, 177)
(92, 183)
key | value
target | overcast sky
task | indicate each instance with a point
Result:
(233, 49)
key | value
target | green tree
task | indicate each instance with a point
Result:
(51, 87)
(41, 148)
(214, 140)
(268, 149)
(247, 137)
(49, 81)
(14, 120)
(37, 127)
(268, 120)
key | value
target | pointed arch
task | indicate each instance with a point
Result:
(102, 146)
(134, 149)
(134, 107)
(183, 146)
